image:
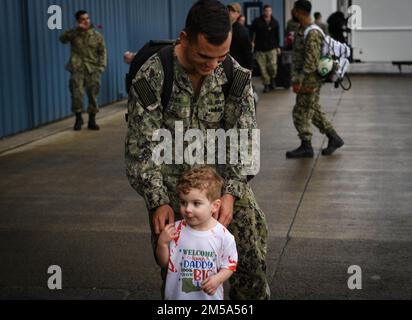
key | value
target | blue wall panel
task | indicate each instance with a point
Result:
(34, 83)
(178, 12)
(14, 89)
(147, 20)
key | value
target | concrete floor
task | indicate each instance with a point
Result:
(65, 201)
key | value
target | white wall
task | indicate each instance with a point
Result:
(386, 33)
(325, 7)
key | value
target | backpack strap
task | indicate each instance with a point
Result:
(236, 80)
(166, 57)
(313, 27)
(227, 65)
(326, 39)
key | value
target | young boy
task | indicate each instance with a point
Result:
(199, 252)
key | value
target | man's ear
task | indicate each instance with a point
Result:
(216, 206)
(184, 39)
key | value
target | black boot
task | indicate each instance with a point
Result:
(272, 85)
(79, 122)
(266, 88)
(304, 151)
(92, 122)
(334, 143)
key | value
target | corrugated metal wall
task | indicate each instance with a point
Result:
(34, 83)
(14, 87)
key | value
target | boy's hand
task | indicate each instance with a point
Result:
(168, 234)
(211, 284)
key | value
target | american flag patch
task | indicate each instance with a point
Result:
(239, 82)
(145, 92)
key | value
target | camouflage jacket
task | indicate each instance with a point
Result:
(305, 58)
(88, 50)
(291, 26)
(157, 183)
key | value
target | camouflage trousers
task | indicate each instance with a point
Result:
(81, 81)
(268, 65)
(249, 228)
(307, 110)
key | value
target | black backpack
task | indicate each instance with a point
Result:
(165, 50)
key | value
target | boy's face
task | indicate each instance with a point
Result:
(196, 208)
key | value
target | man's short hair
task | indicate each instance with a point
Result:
(267, 6)
(317, 15)
(79, 14)
(303, 5)
(210, 18)
(203, 178)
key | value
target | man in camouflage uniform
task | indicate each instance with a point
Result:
(197, 101)
(291, 28)
(307, 84)
(265, 40)
(87, 62)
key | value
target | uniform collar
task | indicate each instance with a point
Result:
(91, 29)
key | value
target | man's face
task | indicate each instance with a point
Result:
(84, 20)
(295, 15)
(267, 12)
(203, 56)
(196, 208)
(234, 15)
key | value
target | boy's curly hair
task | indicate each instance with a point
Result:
(203, 178)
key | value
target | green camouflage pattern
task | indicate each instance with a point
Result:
(307, 110)
(250, 231)
(87, 62)
(305, 61)
(268, 65)
(306, 57)
(208, 111)
(88, 50)
(157, 183)
(81, 82)
(292, 26)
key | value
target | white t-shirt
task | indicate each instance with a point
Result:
(195, 256)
